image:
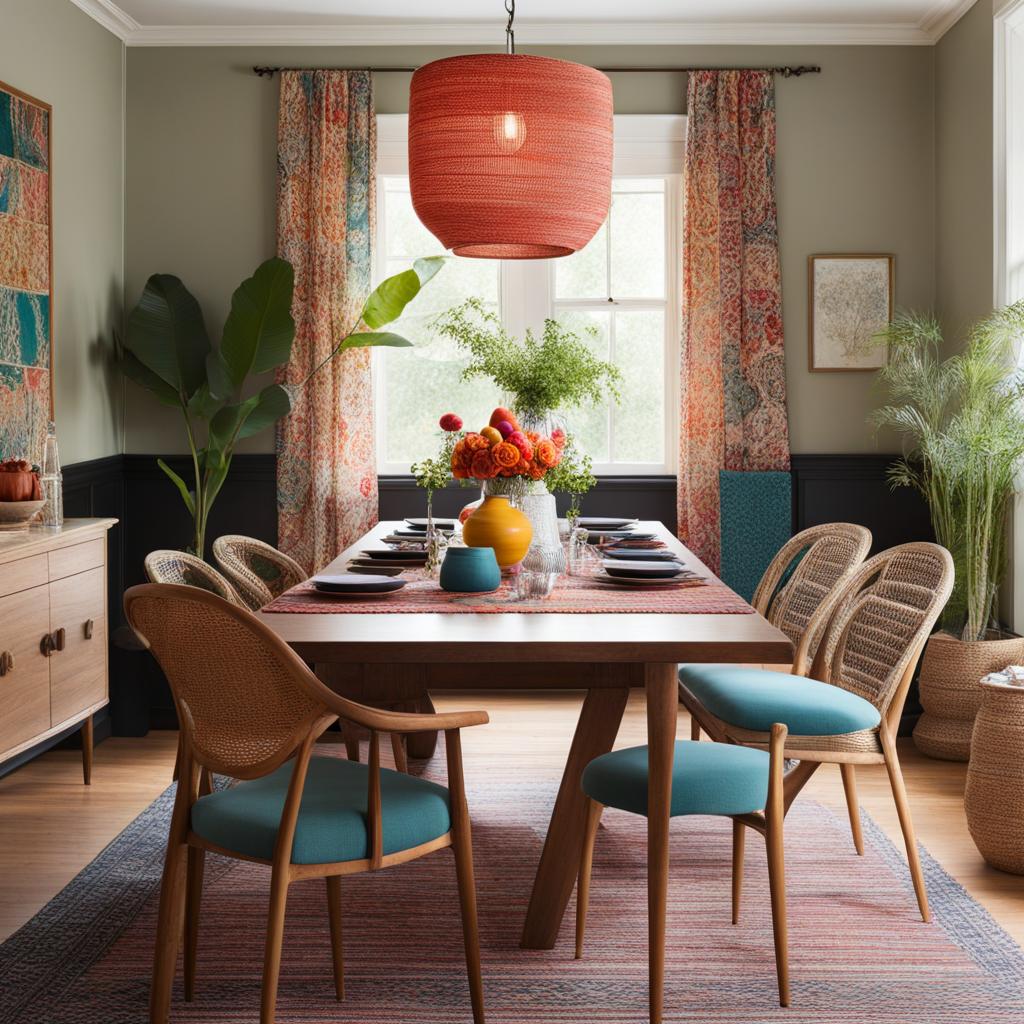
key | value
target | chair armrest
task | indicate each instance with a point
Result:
(399, 721)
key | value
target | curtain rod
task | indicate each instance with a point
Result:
(785, 71)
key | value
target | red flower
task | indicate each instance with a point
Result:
(450, 422)
(519, 439)
(558, 436)
(484, 467)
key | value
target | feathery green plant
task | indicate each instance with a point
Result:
(962, 423)
(556, 371)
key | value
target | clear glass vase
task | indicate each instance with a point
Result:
(436, 543)
(51, 480)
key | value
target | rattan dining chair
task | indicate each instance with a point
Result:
(257, 570)
(707, 778)
(848, 711)
(166, 566)
(251, 709)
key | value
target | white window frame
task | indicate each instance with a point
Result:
(646, 146)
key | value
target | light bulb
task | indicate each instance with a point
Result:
(509, 131)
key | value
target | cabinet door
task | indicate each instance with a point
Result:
(78, 673)
(25, 687)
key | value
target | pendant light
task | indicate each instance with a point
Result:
(510, 155)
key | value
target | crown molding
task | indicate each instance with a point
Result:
(926, 32)
(551, 33)
(942, 18)
(110, 16)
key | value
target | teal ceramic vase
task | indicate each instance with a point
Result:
(470, 571)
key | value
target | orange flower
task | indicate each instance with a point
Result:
(476, 442)
(547, 453)
(483, 467)
(505, 455)
(534, 470)
(532, 436)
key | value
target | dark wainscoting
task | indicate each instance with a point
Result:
(133, 489)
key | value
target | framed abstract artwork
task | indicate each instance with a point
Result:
(26, 274)
(849, 300)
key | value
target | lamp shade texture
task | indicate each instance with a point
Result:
(510, 155)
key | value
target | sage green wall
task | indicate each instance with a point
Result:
(53, 51)
(855, 173)
(964, 255)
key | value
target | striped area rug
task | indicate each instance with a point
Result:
(859, 952)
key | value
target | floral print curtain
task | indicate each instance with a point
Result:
(733, 374)
(326, 152)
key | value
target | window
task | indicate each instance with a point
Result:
(620, 293)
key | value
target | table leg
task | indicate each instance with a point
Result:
(596, 730)
(662, 709)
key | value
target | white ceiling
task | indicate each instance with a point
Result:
(398, 22)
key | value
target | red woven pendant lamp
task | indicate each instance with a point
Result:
(510, 156)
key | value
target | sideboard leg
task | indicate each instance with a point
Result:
(87, 750)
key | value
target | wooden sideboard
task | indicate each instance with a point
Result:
(53, 633)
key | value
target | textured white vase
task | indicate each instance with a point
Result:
(546, 554)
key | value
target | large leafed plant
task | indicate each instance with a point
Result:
(962, 421)
(168, 352)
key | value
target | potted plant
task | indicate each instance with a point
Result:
(168, 352)
(544, 378)
(962, 424)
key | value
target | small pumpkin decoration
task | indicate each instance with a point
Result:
(18, 481)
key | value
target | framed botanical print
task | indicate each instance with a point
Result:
(849, 301)
(26, 274)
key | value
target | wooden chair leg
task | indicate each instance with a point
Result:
(334, 916)
(739, 833)
(594, 810)
(193, 899)
(87, 744)
(694, 729)
(168, 932)
(275, 937)
(462, 847)
(899, 792)
(351, 738)
(398, 749)
(849, 773)
(775, 813)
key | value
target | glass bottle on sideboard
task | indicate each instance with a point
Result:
(51, 480)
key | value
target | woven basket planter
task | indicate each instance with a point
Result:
(951, 672)
(994, 799)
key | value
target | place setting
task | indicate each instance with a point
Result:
(665, 572)
(414, 531)
(342, 585)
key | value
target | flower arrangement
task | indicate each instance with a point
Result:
(503, 450)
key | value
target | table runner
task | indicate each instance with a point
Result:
(571, 594)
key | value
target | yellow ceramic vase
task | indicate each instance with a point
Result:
(496, 524)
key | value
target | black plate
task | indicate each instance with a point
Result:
(603, 536)
(393, 555)
(441, 524)
(621, 581)
(605, 523)
(641, 554)
(667, 571)
(348, 583)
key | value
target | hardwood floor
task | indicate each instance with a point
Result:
(52, 825)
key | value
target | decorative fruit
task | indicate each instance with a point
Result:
(502, 414)
(18, 482)
(506, 429)
(492, 435)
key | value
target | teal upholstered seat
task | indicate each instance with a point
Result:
(332, 818)
(756, 699)
(707, 778)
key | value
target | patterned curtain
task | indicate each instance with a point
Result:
(326, 152)
(733, 374)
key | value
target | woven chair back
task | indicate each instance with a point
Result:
(257, 570)
(830, 552)
(244, 699)
(188, 571)
(882, 619)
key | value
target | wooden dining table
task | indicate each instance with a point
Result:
(399, 658)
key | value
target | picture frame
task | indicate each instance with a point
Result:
(850, 298)
(26, 273)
